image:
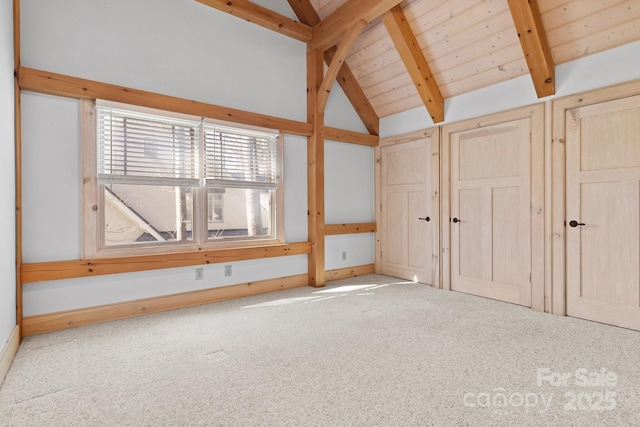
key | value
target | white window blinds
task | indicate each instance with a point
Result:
(146, 149)
(240, 158)
(159, 150)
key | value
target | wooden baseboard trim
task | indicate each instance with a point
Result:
(9, 352)
(50, 322)
(345, 273)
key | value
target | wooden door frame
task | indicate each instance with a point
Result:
(558, 292)
(536, 113)
(434, 134)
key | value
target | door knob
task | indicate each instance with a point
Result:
(455, 220)
(574, 223)
(425, 219)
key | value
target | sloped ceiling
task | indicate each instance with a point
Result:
(470, 44)
(416, 52)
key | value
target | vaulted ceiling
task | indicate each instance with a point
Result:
(470, 44)
(422, 50)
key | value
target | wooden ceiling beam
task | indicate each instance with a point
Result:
(262, 16)
(307, 15)
(344, 46)
(355, 94)
(533, 38)
(405, 41)
(329, 31)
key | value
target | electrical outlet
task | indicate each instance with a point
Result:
(199, 273)
(344, 255)
(227, 270)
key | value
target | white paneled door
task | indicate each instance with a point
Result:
(409, 211)
(490, 211)
(603, 212)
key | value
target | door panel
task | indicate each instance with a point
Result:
(491, 211)
(396, 235)
(406, 185)
(506, 236)
(603, 193)
(475, 247)
(417, 248)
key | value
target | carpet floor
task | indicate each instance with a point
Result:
(369, 351)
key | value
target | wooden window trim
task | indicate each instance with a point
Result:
(92, 208)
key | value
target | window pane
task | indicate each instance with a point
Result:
(243, 212)
(215, 204)
(135, 214)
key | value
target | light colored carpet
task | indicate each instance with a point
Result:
(361, 352)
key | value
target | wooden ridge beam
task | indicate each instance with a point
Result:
(307, 14)
(329, 32)
(533, 39)
(56, 270)
(344, 46)
(405, 41)
(262, 16)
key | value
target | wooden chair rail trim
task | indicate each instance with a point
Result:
(57, 270)
(363, 227)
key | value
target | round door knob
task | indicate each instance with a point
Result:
(455, 220)
(425, 219)
(574, 223)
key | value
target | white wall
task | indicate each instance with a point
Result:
(7, 177)
(614, 66)
(214, 58)
(349, 177)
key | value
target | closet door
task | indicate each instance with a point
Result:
(603, 212)
(408, 226)
(490, 211)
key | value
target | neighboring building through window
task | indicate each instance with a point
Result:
(166, 178)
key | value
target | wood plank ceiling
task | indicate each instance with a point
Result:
(470, 44)
(419, 52)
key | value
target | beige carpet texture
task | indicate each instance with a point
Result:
(369, 351)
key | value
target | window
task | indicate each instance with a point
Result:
(162, 179)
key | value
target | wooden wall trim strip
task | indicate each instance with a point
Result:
(8, 352)
(262, 16)
(363, 227)
(73, 87)
(86, 316)
(56, 270)
(351, 137)
(345, 273)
